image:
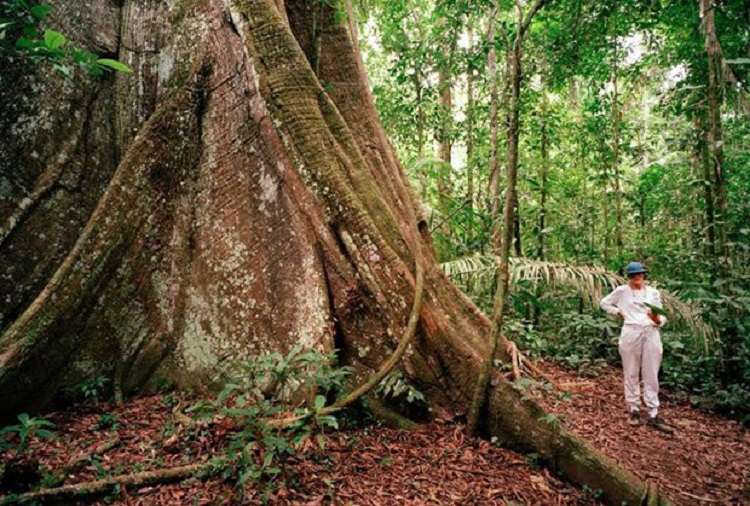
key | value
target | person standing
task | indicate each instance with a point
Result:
(639, 344)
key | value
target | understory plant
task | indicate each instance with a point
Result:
(275, 406)
(17, 437)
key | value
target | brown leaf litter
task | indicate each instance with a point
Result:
(706, 461)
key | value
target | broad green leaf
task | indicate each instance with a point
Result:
(268, 459)
(44, 434)
(114, 65)
(53, 39)
(24, 43)
(41, 11)
(655, 309)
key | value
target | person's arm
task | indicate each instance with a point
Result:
(609, 303)
(658, 320)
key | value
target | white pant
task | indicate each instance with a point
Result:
(641, 351)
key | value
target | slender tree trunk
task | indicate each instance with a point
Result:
(418, 80)
(418, 91)
(517, 246)
(470, 124)
(715, 136)
(445, 107)
(544, 170)
(704, 160)
(494, 186)
(501, 293)
(616, 151)
(605, 211)
(503, 272)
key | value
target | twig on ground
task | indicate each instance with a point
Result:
(704, 499)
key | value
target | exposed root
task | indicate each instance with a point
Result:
(106, 485)
(403, 344)
(75, 464)
(651, 494)
(514, 359)
(388, 416)
(523, 424)
(535, 371)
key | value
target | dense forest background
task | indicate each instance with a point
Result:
(236, 231)
(634, 144)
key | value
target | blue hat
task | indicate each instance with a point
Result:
(635, 268)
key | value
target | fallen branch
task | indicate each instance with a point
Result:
(75, 464)
(106, 485)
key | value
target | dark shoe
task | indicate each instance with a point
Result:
(659, 424)
(634, 418)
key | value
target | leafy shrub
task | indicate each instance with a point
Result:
(89, 391)
(18, 436)
(270, 430)
(396, 386)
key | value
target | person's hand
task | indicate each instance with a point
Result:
(620, 314)
(654, 318)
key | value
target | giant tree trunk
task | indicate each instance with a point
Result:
(221, 202)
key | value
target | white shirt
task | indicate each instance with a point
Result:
(631, 303)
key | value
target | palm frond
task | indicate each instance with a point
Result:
(476, 274)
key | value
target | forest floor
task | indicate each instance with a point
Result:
(706, 461)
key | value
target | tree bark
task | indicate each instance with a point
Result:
(517, 246)
(616, 149)
(715, 136)
(605, 211)
(470, 123)
(494, 186)
(420, 132)
(544, 171)
(445, 129)
(702, 170)
(232, 204)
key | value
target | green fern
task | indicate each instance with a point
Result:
(476, 275)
